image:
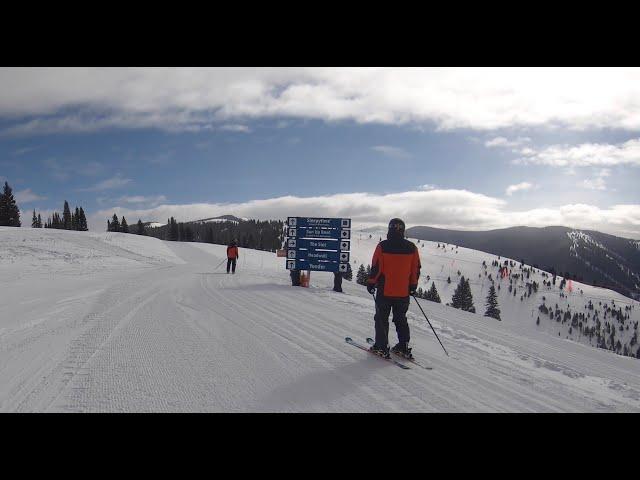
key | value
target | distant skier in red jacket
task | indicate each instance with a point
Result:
(232, 256)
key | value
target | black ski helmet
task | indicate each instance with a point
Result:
(396, 225)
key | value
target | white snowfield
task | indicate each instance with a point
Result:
(108, 322)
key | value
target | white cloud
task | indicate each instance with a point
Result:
(598, 182)
(64, 169)
(141, 199)
(503, 142)
(193, 99)
(114, 182)
(594, 184)
(428, 186)
(519, 187)
(91, 168)
(390, 151)
(235, 128)
(26, 196)
(584, 155)
(57, 170)
(21, 151)
(456, 209)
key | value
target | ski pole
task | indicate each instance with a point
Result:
(434, 332)
(220, 264)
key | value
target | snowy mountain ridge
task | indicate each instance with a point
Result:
(586, 255)
(221, 218)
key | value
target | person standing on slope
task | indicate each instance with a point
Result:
(395, 270)
(337, 278)
(232, 256)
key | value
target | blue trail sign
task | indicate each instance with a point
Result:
(314, 232)
(318, 244)
(317, 266)
(316, 255)
(308, 244)
(316, 222)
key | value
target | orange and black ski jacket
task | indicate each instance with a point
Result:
(395, 268)
(232, 251)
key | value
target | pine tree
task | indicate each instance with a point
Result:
(9, 211)
(34, 220)
(124, 228)
(66, 216)
(462, 298)
(432, 294)
(140, 230)
(83, 226)
(172, 233)
(492, 304)
(348, 275)
(39, 221)
(188, 237)
(76, 219)
(115, 223)
(361, 276)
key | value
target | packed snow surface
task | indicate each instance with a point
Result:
(93, 322)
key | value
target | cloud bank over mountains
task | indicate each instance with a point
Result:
(455, 209)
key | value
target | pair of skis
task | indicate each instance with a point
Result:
(370, 341)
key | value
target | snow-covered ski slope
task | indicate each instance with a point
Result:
(114, 322)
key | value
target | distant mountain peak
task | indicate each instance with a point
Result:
(221, 218)
(585, 255)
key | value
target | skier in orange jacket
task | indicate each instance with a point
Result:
(232, 256)
(395, 270)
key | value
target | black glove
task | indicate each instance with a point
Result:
(412, 289)
(371, 289)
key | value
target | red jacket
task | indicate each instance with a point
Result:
(395, 268)
(232, 252)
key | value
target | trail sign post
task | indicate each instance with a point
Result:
(318, 244)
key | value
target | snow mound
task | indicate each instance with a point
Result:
(50, 251)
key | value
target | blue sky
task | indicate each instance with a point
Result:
(459, 148)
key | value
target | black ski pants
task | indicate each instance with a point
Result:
(384, 306)
(231, 263)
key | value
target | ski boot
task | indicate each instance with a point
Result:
(382, 352)
(403, 350)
